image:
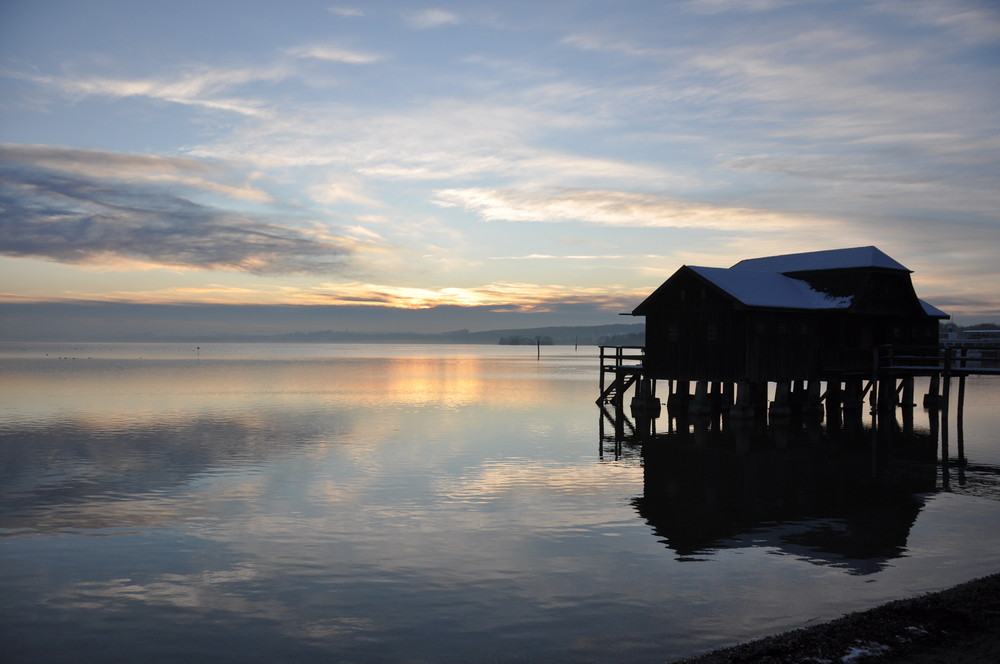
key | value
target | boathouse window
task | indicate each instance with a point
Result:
(712, 332)
(673, 333)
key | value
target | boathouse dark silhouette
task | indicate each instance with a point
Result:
(808, 316)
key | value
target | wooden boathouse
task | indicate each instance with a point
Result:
(846, 320)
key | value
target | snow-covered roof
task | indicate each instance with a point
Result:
(831, 259)
(933, 311)
(771, 282)
(770, 289)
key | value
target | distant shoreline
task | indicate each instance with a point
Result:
(960, 625)
(586, 335)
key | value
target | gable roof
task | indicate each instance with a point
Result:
(831, 259)
(768, 282)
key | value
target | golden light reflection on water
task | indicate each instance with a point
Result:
(105, 391)
(359, 502)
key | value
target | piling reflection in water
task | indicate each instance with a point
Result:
(844, 494)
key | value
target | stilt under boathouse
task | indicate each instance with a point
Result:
(825, 329)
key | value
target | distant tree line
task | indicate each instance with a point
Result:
(630, 339)
(948, 325)
(517, 340)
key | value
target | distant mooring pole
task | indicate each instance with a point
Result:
(538, 347)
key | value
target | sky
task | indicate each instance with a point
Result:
(391, 165)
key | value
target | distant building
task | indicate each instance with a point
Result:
(955, 336)
(794, 317)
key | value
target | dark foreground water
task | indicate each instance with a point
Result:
(334, 503)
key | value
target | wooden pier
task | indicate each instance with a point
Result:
(624, 365)
(887, 382)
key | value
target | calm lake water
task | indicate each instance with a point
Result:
(347, 503)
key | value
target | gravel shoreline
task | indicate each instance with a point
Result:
(960, 625)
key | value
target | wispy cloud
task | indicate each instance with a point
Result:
(514, 296)
(346, 12)
(338, 189)
(612, 208)
(441, 140)
(505, 296)
(571, 257)
(971, 21)
(431, 18)
(107, 219)
(334, 53)
(201, 86)
(742, 6)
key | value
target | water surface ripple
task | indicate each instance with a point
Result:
(166, 502)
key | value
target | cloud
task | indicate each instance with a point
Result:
(513, 296)
(606, 43)
(431, 18)
(102, 164)
(51, 209)
(444, 139)
(341, 189)
(571, 257)
(200, 86)
(334, 54)
(346, 12)
(612, 208)
(971, 21)
(500, 295)
(722, 6)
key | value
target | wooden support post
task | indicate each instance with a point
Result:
(645, 406)
(812, 404)
(796, 396)
(744, 407)
(681, 395)
(932, 399)
(906, 401)
(758, 396)
(960, 428)
(700, 405)
(781, 407)
(834, 401)
(715, 397)
(887, 395)
(854, 397)
(728, 396)
(945, 406)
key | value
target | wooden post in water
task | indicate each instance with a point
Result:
(701, 405)
(812, 404)
(680, 396)
(945, 396)
(728, 395)
(834, 401)
(960, 428)
(933, 397)
(781, 406)
(744, 406)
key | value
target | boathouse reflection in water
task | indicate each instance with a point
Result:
(845, 496)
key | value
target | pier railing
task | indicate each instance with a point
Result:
(625, 364)
(954, 360)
